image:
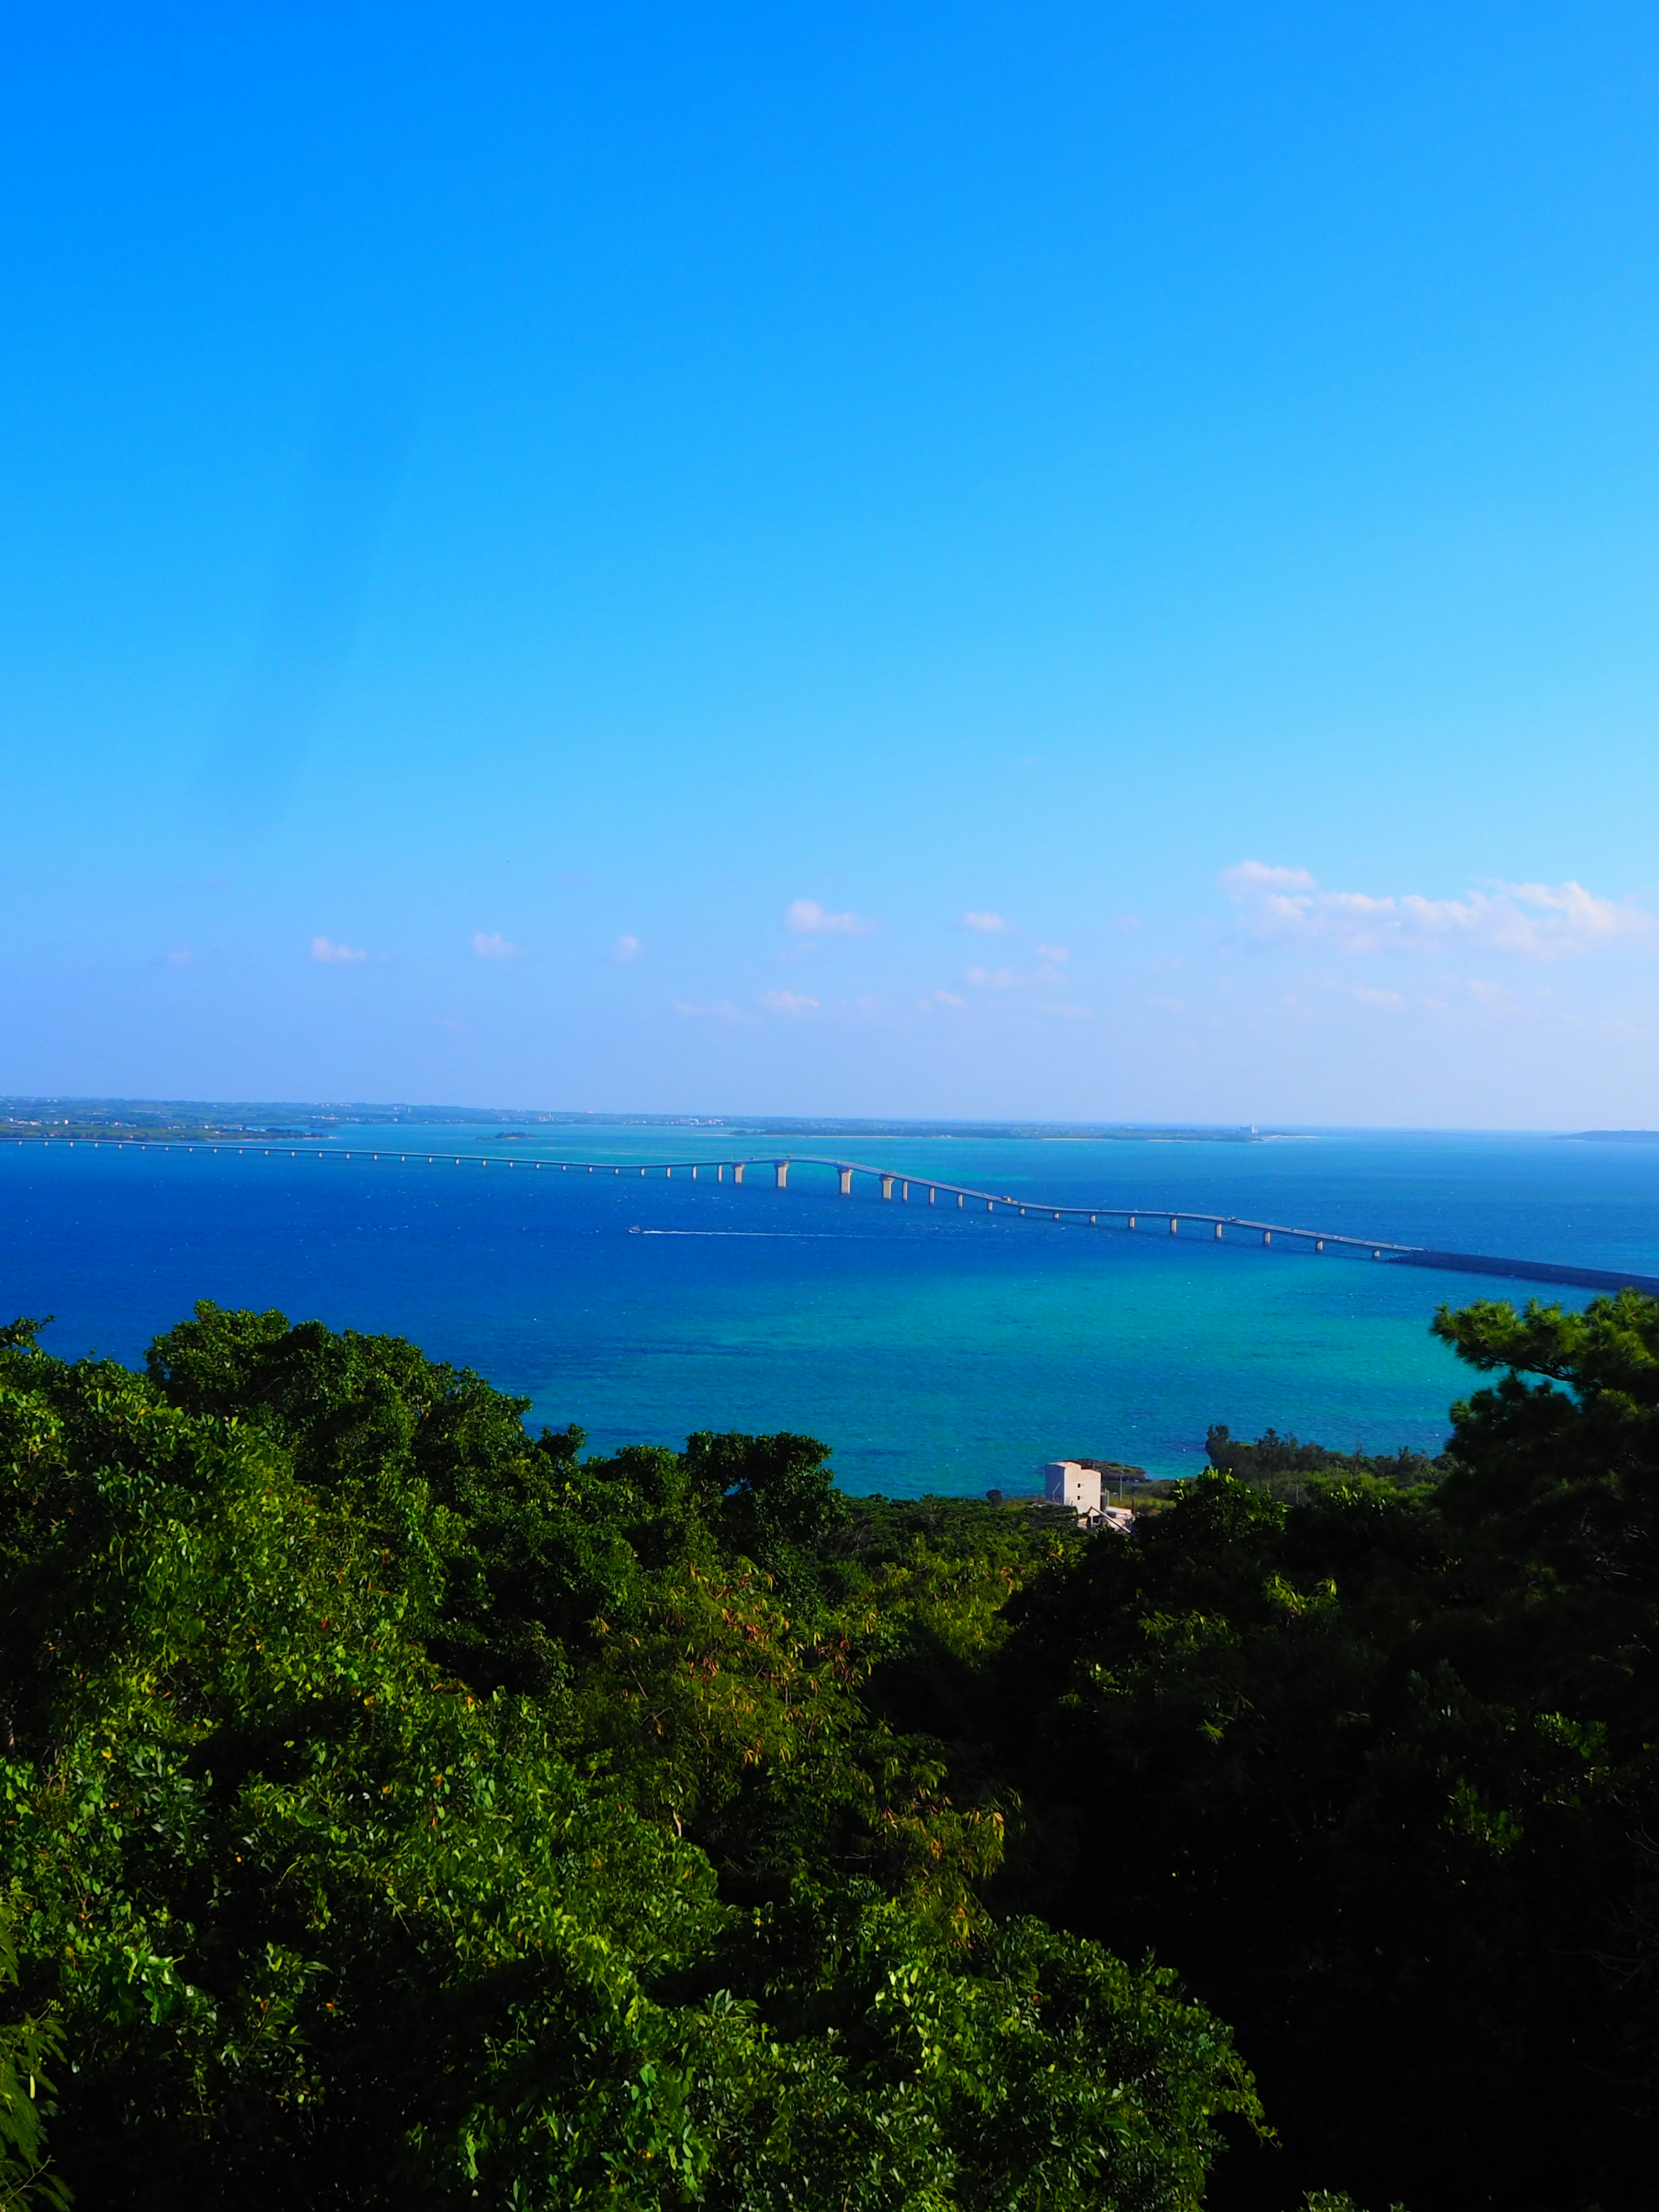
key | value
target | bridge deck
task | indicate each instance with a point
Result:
(1380, 1248)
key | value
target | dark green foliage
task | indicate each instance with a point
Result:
(1377, 1772)
(404, 1810)
(29, 2047)
(1271, 1459)
(771, 1498)
(401, 1809)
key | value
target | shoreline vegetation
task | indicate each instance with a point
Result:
(405, 1808)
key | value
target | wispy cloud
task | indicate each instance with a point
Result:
(717, 1010)
(490, 944)
(181, 956)
(1055, 955)
(624, 948)
(335, 956)
(991, 925)
(1250, 878)
(995, 979)
(1534, 921)
(806, 918)
(789, 1002)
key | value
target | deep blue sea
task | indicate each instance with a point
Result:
(934, 1350)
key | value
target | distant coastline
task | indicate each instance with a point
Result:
(179, 1118)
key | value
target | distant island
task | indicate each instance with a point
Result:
(1614, 1137)
(157, 1121)
(1100, 1132)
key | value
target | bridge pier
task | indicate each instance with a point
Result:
(1319, 1244)
(904, 1194)
(782, 1171)
(1131, 1221)
(961, 1201)
(846, 1175)
(1218, 1232)
(1175, 1226)
(719, 1171)
(1266, 1235)
(887, 1185)
(933, 1195)
(736, 1171)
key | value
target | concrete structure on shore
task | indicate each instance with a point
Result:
(1077, 1483)
(1068, 1482)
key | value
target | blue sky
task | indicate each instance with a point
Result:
(1089, 562)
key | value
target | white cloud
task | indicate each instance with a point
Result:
(335, 956)
(992, 925)
(625, 948)
(490, 944)
(1534, 921)
(1070, 1013)
(181, 956)
(1387, 1002)
(948, 999)
(995, 979)
(1055, 955)
(806, 918)
(1251, 877)
(789, 1002)
(718, 1010)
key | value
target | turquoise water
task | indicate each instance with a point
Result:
(932, 1349)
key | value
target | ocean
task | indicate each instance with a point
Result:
(932, 1349)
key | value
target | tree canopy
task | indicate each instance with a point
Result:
(402, 1806)
(401, 1809)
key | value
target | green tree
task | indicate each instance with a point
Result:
(402, 1808)
(1378, 1771)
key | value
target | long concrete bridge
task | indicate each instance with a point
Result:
(929, 1190)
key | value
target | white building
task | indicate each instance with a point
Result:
(1068, 1482)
